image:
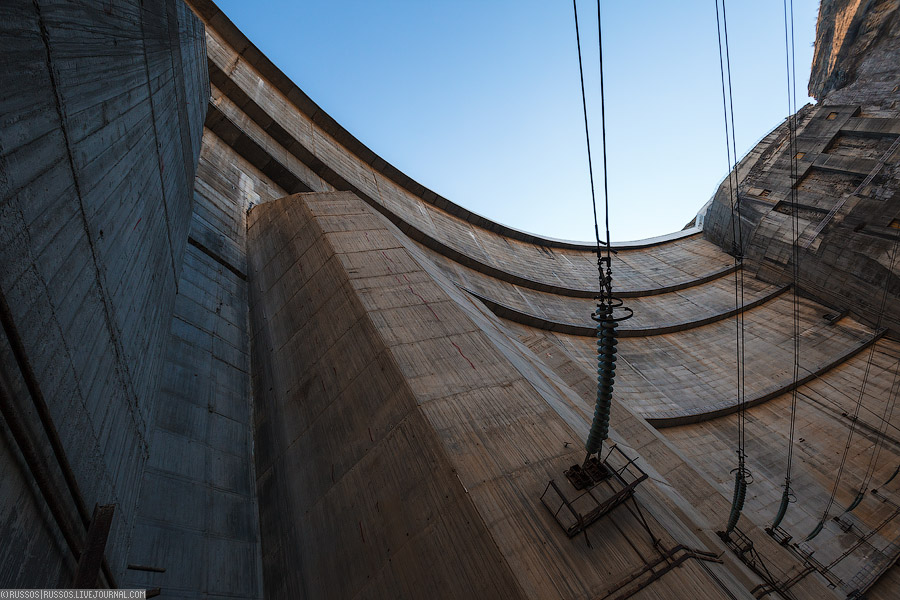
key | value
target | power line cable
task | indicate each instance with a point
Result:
(587, 134)
(789, 57)
(742, 475)
(607, 320)
(870, 468)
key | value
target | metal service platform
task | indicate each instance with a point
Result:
(604, 484)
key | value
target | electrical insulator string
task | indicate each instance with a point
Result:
(607, 320)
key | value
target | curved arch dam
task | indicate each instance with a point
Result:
(295, 372)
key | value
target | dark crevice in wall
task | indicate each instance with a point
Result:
(199, 246)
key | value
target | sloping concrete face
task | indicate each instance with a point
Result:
(408, 456)
(102, 109)
(528, 298)
(357, 497)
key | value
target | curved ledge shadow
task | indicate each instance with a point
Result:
(506, 312)
(244, 145)
(687, 417)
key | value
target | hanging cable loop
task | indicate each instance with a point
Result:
(787, 497)
(816, 531)
(856, 501)
(892, 477)
(854, 418)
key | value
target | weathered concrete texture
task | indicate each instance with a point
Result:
(849, 171)
(366, 393)
(101, 110)
(823, 420)
(198, 515)
(847, 179)
(822, 416)
(689, 376)
(346, 460)
(679, 369)
(408, 456)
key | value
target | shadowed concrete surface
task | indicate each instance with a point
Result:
(102, 110)
(296, 372)
(198, 515)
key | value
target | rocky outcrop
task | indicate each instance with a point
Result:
(855, 60)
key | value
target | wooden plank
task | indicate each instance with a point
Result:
(88, 570)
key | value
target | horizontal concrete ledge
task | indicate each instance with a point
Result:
(587, 246)
(512, 314)
(271, 73)
(674, 287)
(690, 417)
(871, 126)
(220, 124)
(238, 140)
(844, 165)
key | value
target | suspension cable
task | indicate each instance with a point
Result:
(742, 475)
(605, 316)
(882, 431)
(789, 56)
(879, 418)
(739, 272)
(587, 135)
(888, 411)
(603, 139)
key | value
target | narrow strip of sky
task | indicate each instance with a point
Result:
(480, 101)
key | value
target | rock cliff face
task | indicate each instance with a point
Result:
(855, 59)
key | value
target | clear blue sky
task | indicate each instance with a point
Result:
(480, 100)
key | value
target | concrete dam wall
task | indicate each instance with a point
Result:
(102, 117)
(296, 372)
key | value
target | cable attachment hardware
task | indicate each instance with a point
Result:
(816, 531)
